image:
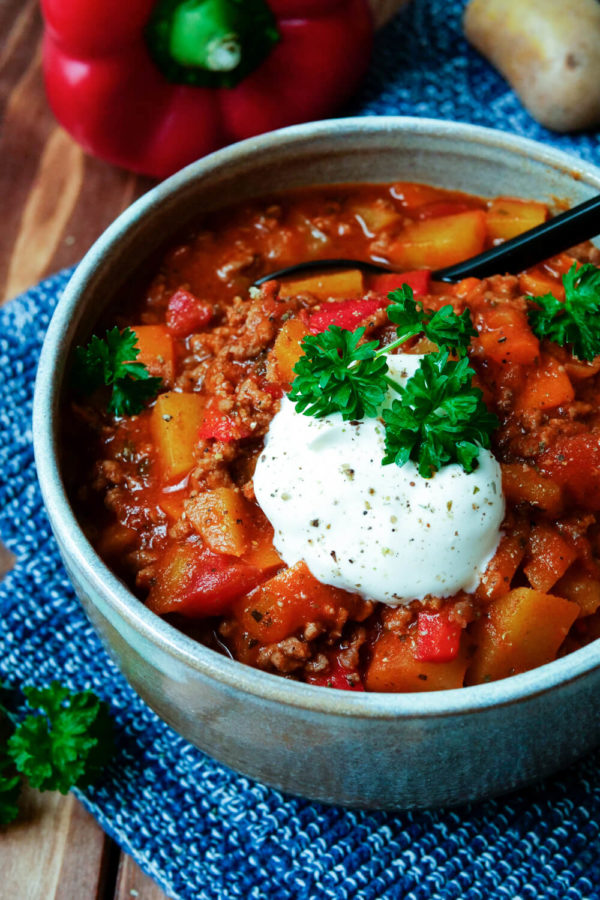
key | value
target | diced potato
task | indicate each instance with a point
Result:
(261, 552)
(223, 518)
(546, 387)
(434, 243)
(176, 419)
(281, 606)
(550, 557)
(394, 667)
(505, 562)
(376, 216)
(156, 351)
(173, 503)
(521, 630)
(286, 351)
(412, 195)
(115, 540)
(347, 283)
(523, 484)
(506, 218)
(580, 587)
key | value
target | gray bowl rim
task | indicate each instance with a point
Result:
(211, 664)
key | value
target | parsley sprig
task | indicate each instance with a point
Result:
(64, 740)
(439, 419)
(576, 322)
(339, 374)
(443, 327)
(110, 361)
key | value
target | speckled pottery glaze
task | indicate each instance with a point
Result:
(358, 749)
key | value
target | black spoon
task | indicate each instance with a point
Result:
(580, 223)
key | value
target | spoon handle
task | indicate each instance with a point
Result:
(565, 230)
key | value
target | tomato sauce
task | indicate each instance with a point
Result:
(166, 496)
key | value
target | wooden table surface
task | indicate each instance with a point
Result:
(56, 201)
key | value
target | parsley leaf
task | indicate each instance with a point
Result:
(111, 361)
(10, 788)
(439, 419)
(339, 374)
(443, 327)
(66, 742)
(576, 322)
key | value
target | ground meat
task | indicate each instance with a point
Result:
(285, 657)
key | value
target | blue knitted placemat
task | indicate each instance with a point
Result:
(199, 829)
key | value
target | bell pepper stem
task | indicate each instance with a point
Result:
(205, 34)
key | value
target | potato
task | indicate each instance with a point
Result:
(549, 52)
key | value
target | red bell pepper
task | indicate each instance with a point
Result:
(219, 426)
(151, 85)
(343, 313)
(186, 313)
(418, 280)
(438, 639)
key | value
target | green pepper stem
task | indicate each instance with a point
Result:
(204, 34)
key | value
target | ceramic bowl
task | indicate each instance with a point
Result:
(357, 749)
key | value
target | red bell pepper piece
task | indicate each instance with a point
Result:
(194, 582)
(573, 461)
(438, 639)
(344, 313)
(418, 280)
(338, 677)
(186, 313)
(151, 85)
(220, 426)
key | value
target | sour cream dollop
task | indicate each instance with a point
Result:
(384, 532)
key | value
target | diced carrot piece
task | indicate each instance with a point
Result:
(505, 562)
(538, 283)
(346, 283)
(520, 631)
(286, 351)
(223, 518)
(157, 353)
(547, 387)
(394, 667)
(578, 586)
(550, 556)
(435, 243)
(506, 336)
(523, 484)
(506, 218)
(175, 421)
(288, 601)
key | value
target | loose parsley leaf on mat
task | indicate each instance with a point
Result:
(110, 361)
(439, 419)
(65, 740)
(576, 322)
(10, 788)
(443, 327)
(336, 374)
